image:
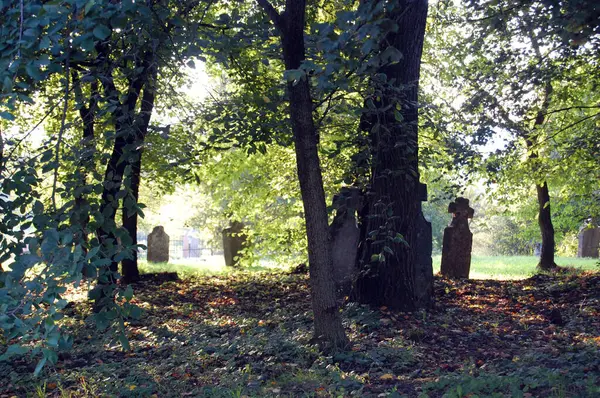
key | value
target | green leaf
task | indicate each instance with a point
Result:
(136, 312)
(7, 116)
(44, 43)
(128, 293)
(293, 75)
(14, 349)
(124, 341)
(88, 44)
(391, 55)
(102, 32)
(40, 366)
(89, 6)
(398, 116)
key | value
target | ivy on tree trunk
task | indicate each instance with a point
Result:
(395, 252)
(131, 127)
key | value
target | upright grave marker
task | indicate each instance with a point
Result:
(234, 240)
(345, 236)
(158, 246)
(589, 242)
(458, 241)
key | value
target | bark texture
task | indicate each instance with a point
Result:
(131, 126)
(129, 266)
(329, 331)
(395, 252)
(543, 195)
(87, 112)
(546, 228)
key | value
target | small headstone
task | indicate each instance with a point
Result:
(424, 263)
(458, 241)
(158, 246)
(589, 242)
(191, 246)
(537, 249)
(345, 236)
(234, 240)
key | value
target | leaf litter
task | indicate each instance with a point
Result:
(249, 334)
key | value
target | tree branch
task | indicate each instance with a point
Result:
(272, 13)
(60, 132)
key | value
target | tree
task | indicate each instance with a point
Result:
(111, 56)
(395, 255)
(513, 68)
(291, 24)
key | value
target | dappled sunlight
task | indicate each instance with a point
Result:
(252, 331)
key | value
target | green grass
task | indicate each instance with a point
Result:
(212, 266)
(482, 267)
(516, 267)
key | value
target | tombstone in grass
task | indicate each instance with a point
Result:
(158, 246)
(537, 249)
(458, 241)
(234, 241)
(191, 246)
(589, 242)
(345, 236)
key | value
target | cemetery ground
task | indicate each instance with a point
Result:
(244, 333)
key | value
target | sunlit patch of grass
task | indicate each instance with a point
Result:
(515, 267)
(213, 266)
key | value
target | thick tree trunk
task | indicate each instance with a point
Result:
(328, 326)
(395, 252)
(546, 228)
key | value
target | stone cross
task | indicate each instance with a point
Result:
(234, 240)
(158, 246)
(458, 241)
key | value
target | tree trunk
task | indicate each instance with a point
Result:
(81, 211)
(1, 167)
(546, 228)
(395, 252)
(131, 127)
(543, 195)
(129, 266)
(329, 331)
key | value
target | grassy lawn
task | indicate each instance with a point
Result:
(516, 267)
(213, 265)
(482, 267)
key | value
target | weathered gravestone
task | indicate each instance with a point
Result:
(589, 242)
(158, 246)
(458, 241)
(423, 262)
(191, 246)
(234, 241)
(537, 249)
(345, 236)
